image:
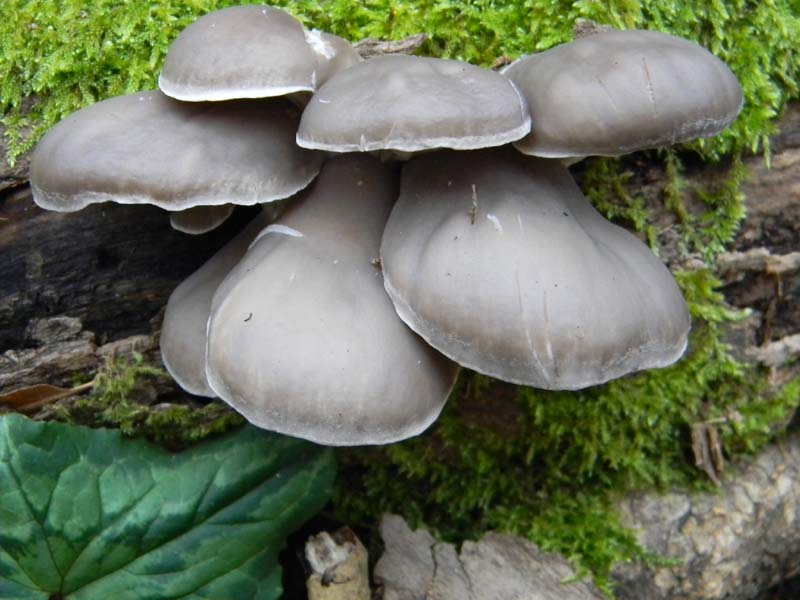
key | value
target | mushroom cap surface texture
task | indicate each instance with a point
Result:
(239, 52)
(501, 263)
(614, 92)
(334, 54)
(411, 103)
(303, 339)
(200, 219)
(183, 331)
(147, 148)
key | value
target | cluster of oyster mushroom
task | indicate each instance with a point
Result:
(345, 321)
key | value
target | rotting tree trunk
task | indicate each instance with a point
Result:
(734, 544)
(414, 566)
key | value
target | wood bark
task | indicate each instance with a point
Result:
(735, 544)
(415, 566)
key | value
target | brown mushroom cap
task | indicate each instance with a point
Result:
(183, 331)
(618, 91)
(147, 148)
(303, 339)
(500, 263)
(411, 103)
(239, 52)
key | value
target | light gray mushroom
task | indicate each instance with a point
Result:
(239, 52)
(200, 219)
(410, 103)
(334, 54)
(303, 339)
(147, 148)
(183, 331)
(251, 52)
(500, 263)
(614, 92)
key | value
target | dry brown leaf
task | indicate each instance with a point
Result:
(32, 398)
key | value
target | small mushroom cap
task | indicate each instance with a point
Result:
(200, 219)
(183, 332)
(146, 148)
(239, 52)
(500, 263)
(412, 103)
(334, 54)
(303, 339)
(618, 91)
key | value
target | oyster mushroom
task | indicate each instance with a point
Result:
(250, 52)
(334, 54)
(147, 148)
(239, 52)
(410, 104)
(184, 329)
(500, 263)
(614, 92)
(302, 337)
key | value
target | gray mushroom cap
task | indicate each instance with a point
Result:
(303, 339)
(147, 148)
(500, 263)
(334, 54)
(200, 219)
(183, 331)
(239, 52)
(618, 91)
(412, 103)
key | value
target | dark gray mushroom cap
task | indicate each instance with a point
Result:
(183, 332)
(500, 263)
(618, 91)
(303, 339)
(200, 219)
(147, 148)
(239, 52)
(411, 103)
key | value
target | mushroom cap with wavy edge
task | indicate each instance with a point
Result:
(411, 103)
(239, 52)
(183, 332)
(147, 148)
(303, 339)
(501, 263)
(200, 219)
(614, 92)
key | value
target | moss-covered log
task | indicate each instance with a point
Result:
(543, 465)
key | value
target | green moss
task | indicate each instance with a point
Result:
(122, 398)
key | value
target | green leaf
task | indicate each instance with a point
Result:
(86, 513)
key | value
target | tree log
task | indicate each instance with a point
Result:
(735, 544)
(414, 566)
